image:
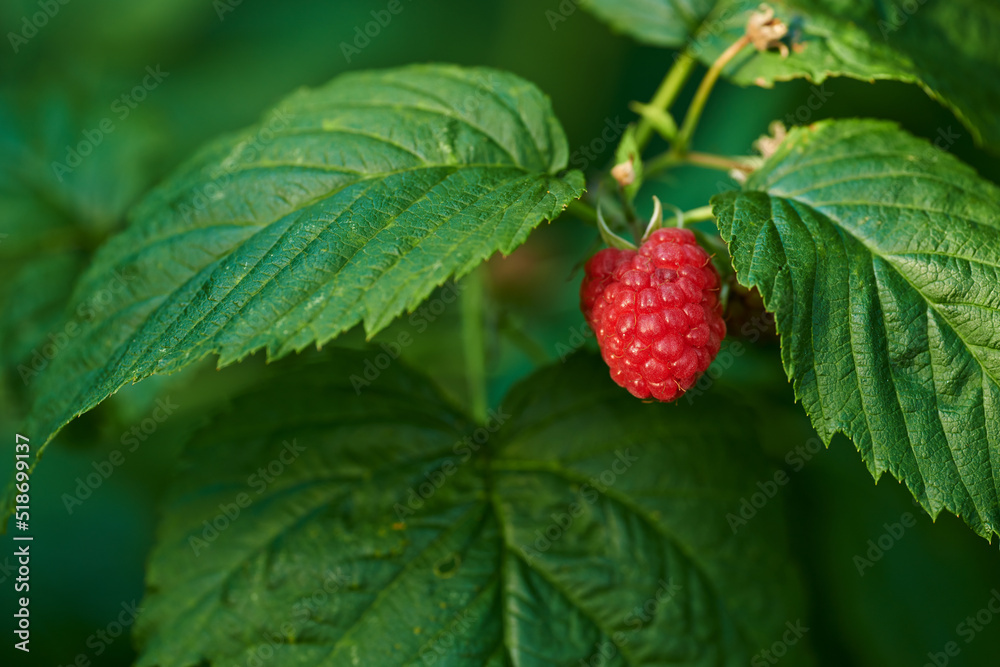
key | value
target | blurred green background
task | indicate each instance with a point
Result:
(228, 61)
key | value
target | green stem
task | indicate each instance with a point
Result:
(704, 90)
(699, 214)
(672, 158)
(719, 162)
(474, 342)
(665, 95)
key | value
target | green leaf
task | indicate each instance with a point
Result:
(656, 22)
(32, 302)
(880, 257)
(348, 203)
(947, 48)
(52, 215)
(387, 540)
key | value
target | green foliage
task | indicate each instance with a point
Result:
(948, 48)
(385, 534)
(348, 203)
(34, 298)
(878, 254)
(342, 509)
(658, 22)
(51, 219)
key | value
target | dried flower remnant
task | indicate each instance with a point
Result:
(767, 32)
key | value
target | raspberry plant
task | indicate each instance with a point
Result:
(337, 507)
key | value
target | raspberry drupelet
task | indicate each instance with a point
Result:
(655, 312)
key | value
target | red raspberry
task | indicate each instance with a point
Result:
(656, 313)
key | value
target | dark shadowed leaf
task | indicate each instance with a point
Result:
(385, 529)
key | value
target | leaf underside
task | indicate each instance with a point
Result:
(880, 257)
